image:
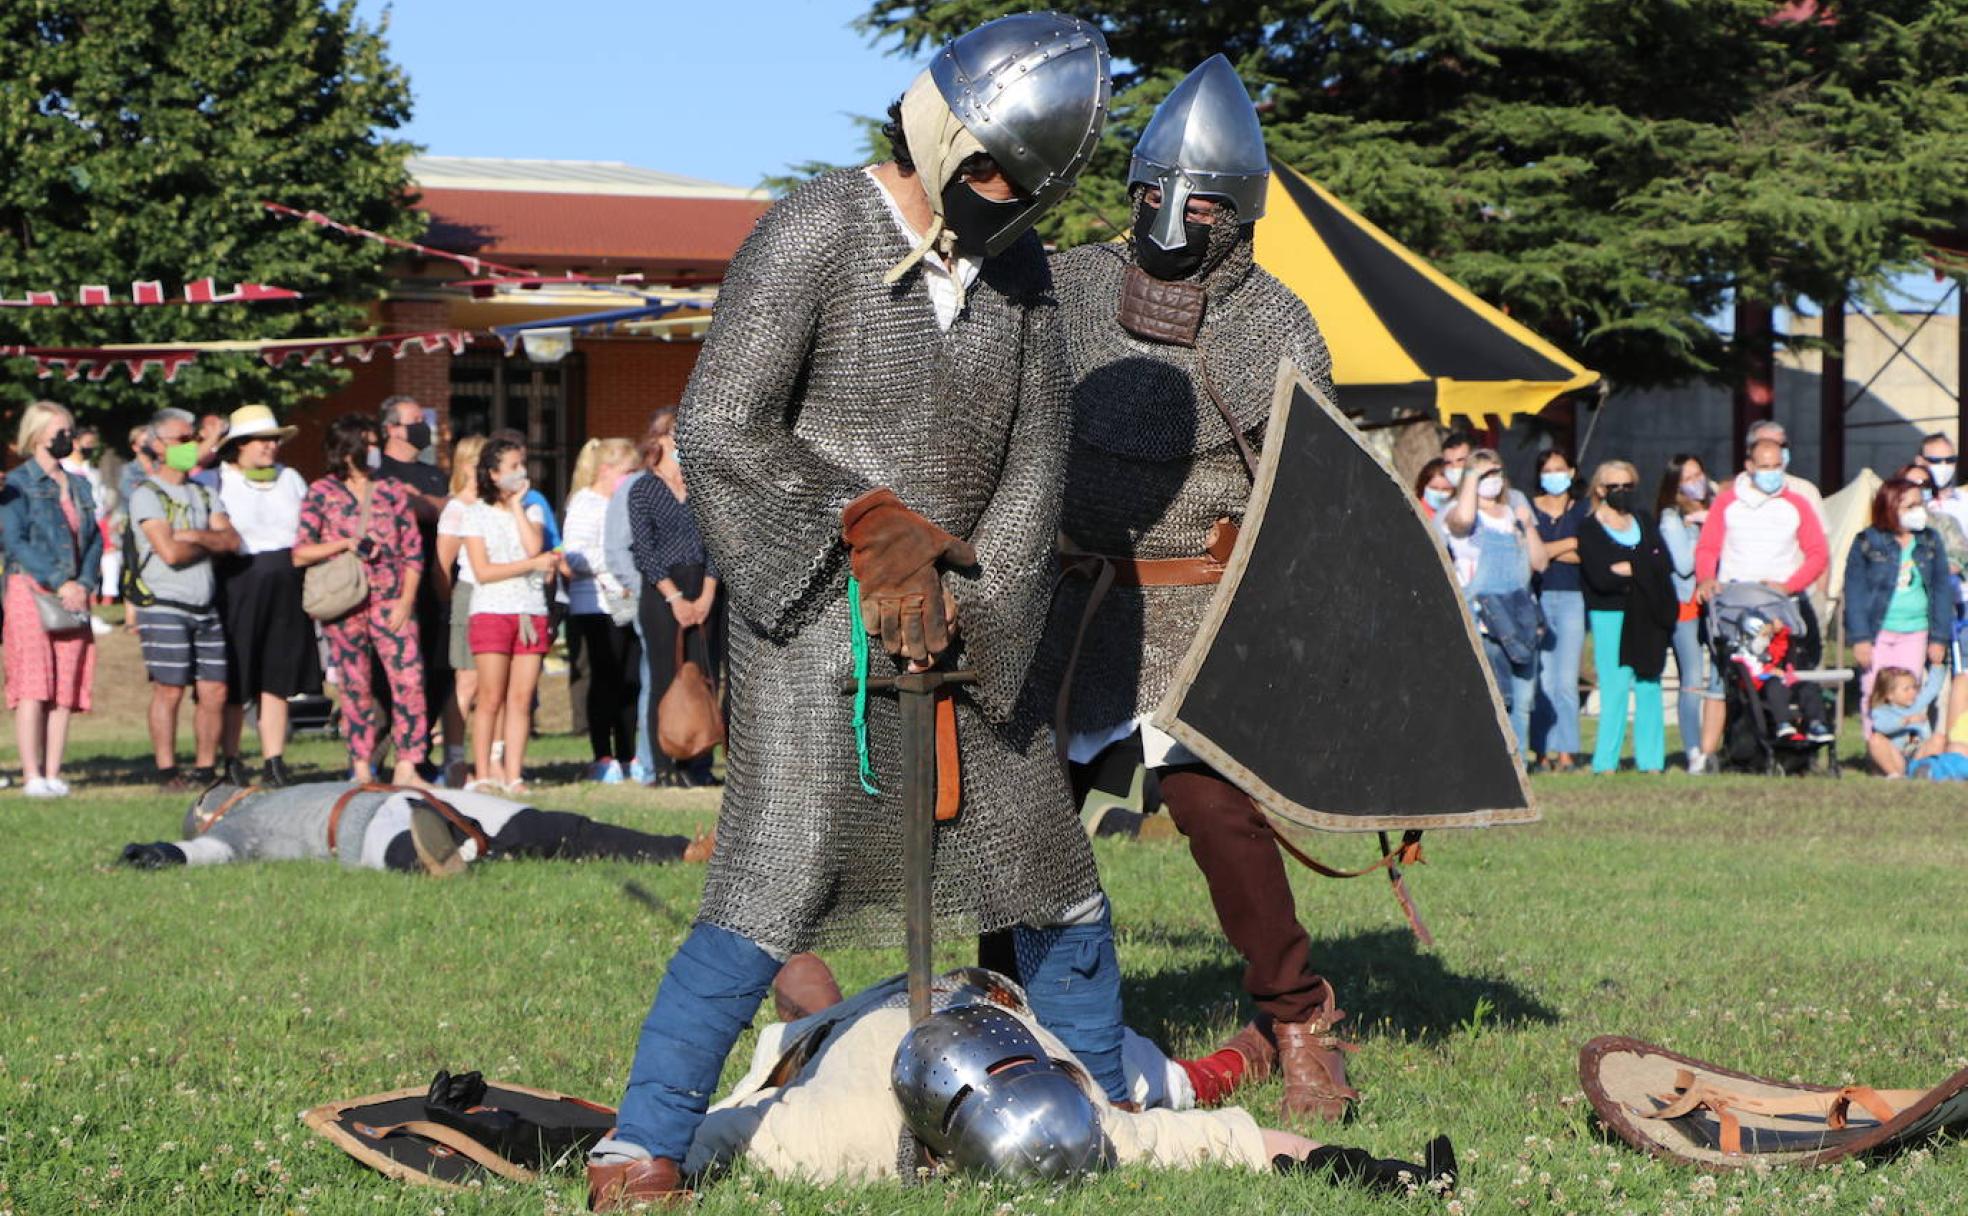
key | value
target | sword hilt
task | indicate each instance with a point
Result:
(918, 682)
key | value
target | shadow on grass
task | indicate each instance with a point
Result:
(1387, 986)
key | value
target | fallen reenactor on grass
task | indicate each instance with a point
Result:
(381, 827)
(849, 1092)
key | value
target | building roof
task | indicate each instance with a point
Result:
(600, 215)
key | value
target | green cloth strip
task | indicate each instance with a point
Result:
(860, 686)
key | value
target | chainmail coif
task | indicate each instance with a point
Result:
(1153, 466)
(817, 382)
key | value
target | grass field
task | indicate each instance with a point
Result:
(159, 1032)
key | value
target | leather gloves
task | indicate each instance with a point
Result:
(1361, 1168)
(895, 553)
(153, 856)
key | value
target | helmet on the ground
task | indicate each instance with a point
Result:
(1033, 89)
(1203, 140)
(978, 1089)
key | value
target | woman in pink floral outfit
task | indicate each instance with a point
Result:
(392, 555)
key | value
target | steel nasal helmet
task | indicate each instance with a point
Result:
(1203, 139)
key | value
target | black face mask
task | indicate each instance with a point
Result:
(418, 434)
(1170, 264)
(61, 445)
(1621, 499)
(976, 219)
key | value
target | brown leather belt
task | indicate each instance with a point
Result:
(1202, 570)
(1106, 572)
(341, 804)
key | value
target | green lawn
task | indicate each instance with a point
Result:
(160, 1032)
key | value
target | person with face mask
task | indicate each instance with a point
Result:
(1899, 593)
(177, 528)
(874, 441)
(505, 542)
(1630, 602)
(1495, 549)
(1558, 512)
(1681, 501)
(407, 440)
(54, 553)
(1432, 489)
(1760, 529)
(351, 511)
(1174, 341)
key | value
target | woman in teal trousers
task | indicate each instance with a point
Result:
(1631, 605)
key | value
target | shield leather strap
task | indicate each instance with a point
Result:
(206, 822)
(1692, 1094)
(449, 815)
(455, 1140)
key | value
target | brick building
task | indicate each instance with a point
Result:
(551, 217)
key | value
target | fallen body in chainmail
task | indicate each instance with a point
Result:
(827, 1099)
(379, 827)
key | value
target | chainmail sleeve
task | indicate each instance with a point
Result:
(1002, 607)
(767, 502)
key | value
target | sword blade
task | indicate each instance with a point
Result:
(918, 707)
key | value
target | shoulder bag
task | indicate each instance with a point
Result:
(688, 721)
(332, 589)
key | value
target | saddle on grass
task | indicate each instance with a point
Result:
(1681, 1109)
(462, 1129)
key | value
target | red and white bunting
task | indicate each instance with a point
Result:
(362, 350)
(475, 265)
(151, 292)
(95, 363)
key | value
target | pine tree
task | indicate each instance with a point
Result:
(1611, 173)
(137, 141)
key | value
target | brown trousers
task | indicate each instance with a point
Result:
(1235, 848)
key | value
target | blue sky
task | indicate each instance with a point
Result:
(729, 90)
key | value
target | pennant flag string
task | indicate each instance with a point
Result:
(151, 292)
(97, 362)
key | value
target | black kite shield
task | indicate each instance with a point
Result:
(1337, 679)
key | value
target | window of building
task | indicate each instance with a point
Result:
(542, 401)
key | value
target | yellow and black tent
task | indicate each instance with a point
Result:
(1405, 337)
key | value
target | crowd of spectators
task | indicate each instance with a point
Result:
(430, 599)
(463, 579)
(1637, 561)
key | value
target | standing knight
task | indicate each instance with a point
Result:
(1174, 341)
(882, 403)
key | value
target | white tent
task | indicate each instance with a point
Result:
(1846, 515)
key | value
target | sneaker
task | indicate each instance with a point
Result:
(38, 787)
(203, 777)
(276, 775)
(236, 772)
(1820, 733)
(171, 781)
(638, 775)
(1787, 732)
(606, 771)
(56, 786)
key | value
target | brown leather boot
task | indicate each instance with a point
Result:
(1259, 1052)
(619, 1186)
(1311, 1057)
(804, 986)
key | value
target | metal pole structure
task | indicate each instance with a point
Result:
(1831, 397)
(1756, 396)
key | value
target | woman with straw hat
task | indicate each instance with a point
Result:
(270, 646)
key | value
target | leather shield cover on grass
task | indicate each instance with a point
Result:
(389, 1132)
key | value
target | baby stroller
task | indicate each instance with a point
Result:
(1751, 741)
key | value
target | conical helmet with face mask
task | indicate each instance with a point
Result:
(1033, 89)
(1204, 140)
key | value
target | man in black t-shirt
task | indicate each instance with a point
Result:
(405, 436)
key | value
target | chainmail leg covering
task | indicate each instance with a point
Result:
(1153, 465)
(818, 382)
